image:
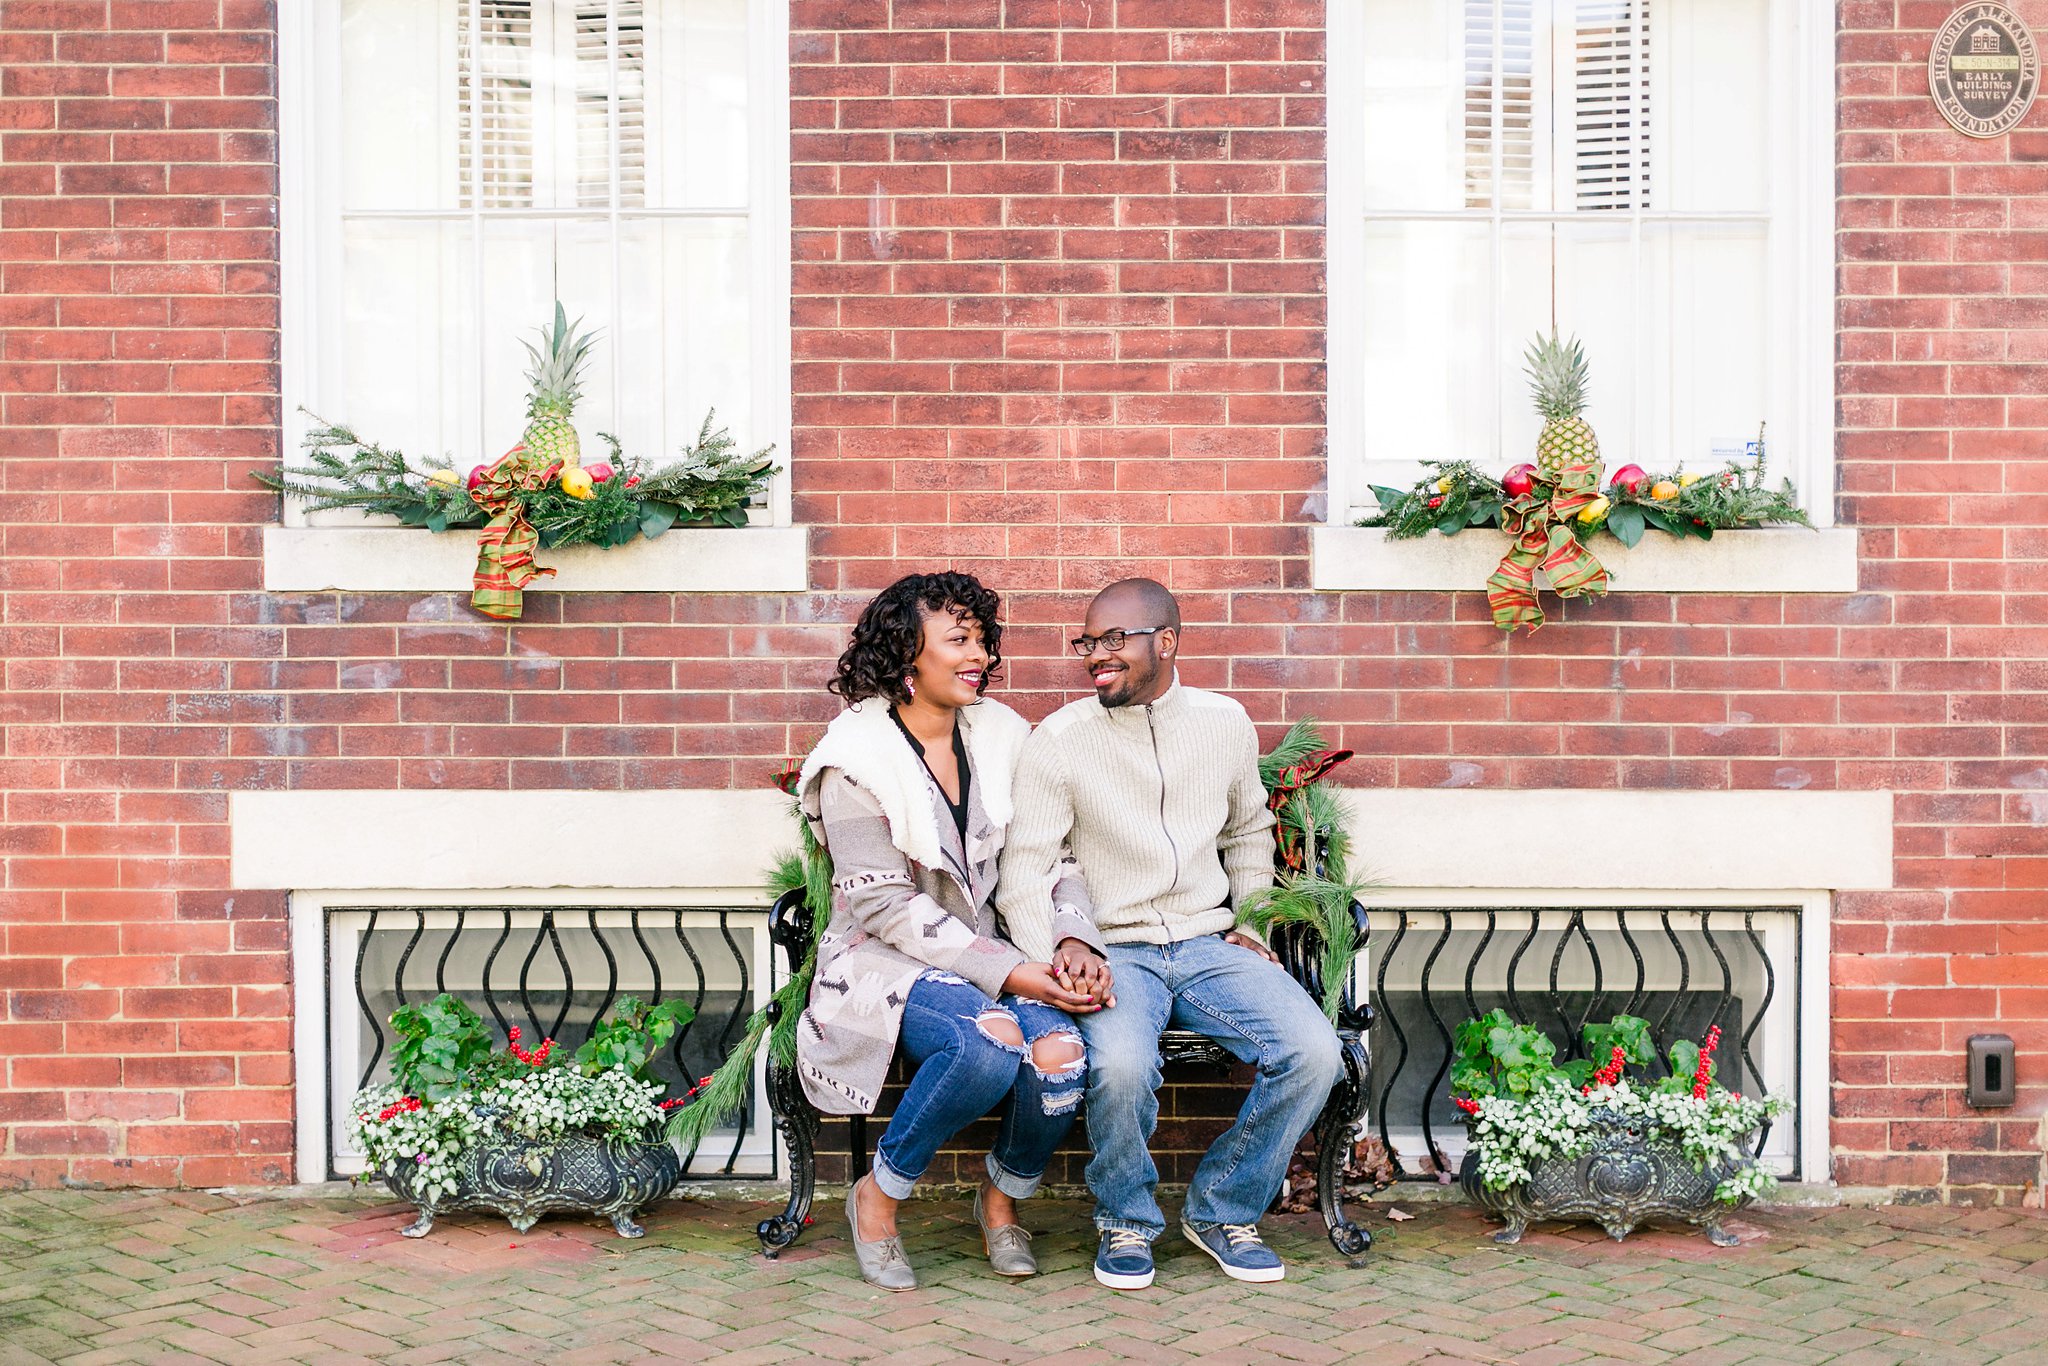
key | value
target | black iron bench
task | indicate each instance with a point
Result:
(789, 927)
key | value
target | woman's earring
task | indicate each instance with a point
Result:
(910, 685)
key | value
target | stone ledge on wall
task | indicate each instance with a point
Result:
(1622, 840)
(442, 839)
(1406, 837)
(1765, 560)
(377, 559)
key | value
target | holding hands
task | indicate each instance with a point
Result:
(1081, 969)
(1040, 982)
(1077, 980)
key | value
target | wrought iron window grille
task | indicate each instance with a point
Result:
(554, 971)
(1557, 968)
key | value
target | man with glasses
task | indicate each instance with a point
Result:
(1153, 788)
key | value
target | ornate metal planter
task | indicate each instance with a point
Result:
(523, 1181)
(1624, 1180)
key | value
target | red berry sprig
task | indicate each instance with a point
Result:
(1470, 1107)
(403, 1107)
(1610, 1074)
(537, 1057)
(1705, 1070)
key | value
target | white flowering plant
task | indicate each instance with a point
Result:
(451, 1091)
(1521, 1106)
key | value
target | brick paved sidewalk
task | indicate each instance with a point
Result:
(182, 1276)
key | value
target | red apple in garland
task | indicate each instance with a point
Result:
(476, 476)
(1630, 477)
(1519, 481)
(599, 472)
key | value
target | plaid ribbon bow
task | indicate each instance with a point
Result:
(1541, 525)
(504, 548)
(1293, 779)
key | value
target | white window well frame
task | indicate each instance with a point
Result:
(1788, 919)
(356, 553)
(324, 929)
(1802, 437)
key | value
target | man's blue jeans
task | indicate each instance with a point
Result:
(1257, 1012)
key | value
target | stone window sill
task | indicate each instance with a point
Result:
(1766, 560)
(379, 559)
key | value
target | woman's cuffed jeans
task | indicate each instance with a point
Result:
(964, 1072)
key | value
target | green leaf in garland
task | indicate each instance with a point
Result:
(1626, 522)
(1663, 521)
(657, 517)
(437, 521)
(1388, 497)
(1482, 512)
(1705, 531)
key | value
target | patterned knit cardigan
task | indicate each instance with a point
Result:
(908, 893)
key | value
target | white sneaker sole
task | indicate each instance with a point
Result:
(1119, 1281)
(1257, 1275)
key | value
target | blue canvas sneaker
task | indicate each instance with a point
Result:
(1238, 1249)
(1124, 1261)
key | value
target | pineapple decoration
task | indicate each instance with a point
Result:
(1541, 521)
(1557, 379)
(557, 380)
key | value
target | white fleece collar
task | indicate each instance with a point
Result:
(864, 742)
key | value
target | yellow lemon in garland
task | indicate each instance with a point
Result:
(1687, 480)
(1443, 485)
(1663, 490)
(1594, 511)
(576, 482)
(445, 479)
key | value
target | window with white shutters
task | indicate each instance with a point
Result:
(1640, 173)
(472, 161)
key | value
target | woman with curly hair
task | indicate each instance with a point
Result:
(909, 791)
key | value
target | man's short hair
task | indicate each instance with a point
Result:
(1153, 598)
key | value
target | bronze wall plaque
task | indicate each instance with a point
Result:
(1983, 70)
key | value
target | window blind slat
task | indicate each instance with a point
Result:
(1610, 118)
(593, 111)
(494, 91)
(1513, 22)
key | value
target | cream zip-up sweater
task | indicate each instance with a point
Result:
(1162, 808)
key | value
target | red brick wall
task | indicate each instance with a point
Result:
(145, 1030)
(1058, 296)
(1943, 663)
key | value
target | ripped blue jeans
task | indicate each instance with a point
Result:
(964, 1071)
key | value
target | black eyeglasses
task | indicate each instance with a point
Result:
(1111, 641)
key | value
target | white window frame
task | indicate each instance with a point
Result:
(365, 556)
(1803, 273)
(1797, 917)
(323, 952)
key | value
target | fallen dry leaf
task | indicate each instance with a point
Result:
(1399, 1215)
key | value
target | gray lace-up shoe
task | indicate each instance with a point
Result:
(882, 1262)
(1008, 1247)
